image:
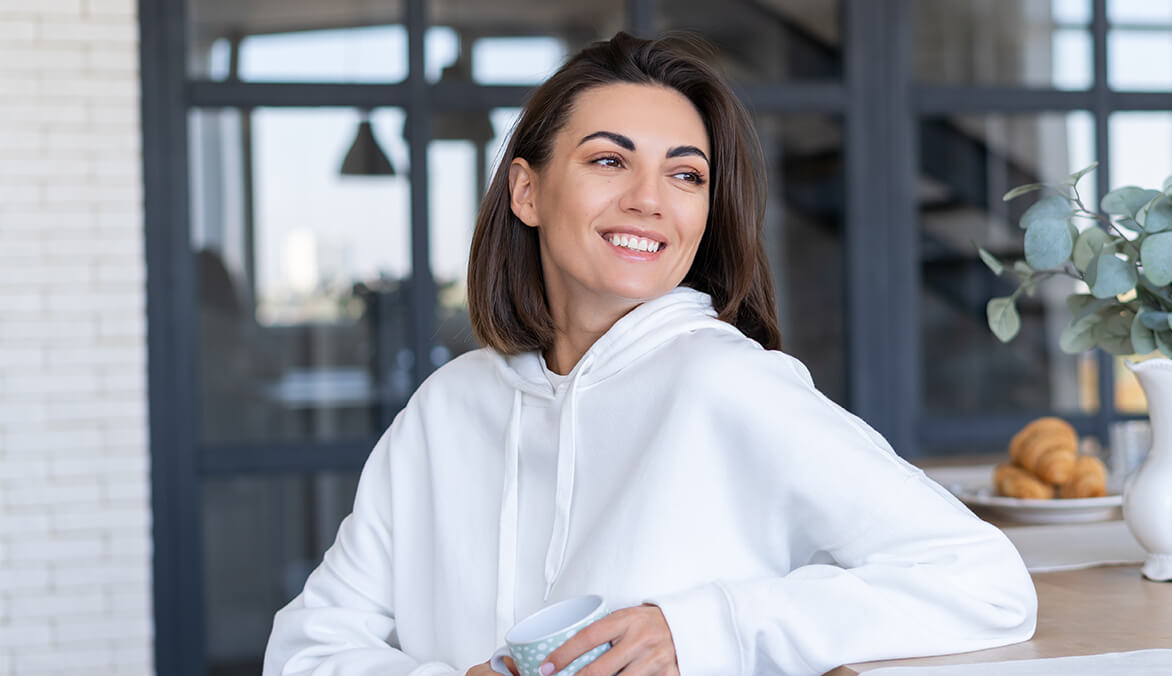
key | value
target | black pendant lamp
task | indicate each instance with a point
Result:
(366, 157)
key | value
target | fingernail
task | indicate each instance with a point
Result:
(546, 669)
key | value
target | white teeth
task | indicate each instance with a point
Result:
(635, 243)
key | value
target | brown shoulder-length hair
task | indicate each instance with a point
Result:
(506, 291)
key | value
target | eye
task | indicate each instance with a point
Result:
(609, 161)
(692, 177)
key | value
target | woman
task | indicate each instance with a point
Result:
(633, 430)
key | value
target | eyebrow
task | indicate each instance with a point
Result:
(626, 143)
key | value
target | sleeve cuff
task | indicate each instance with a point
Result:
(703, 630)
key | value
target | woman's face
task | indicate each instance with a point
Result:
(621, 205)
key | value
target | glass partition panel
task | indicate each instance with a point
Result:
(461, 165)
(1141, 154)
(1139, 45)
(966, 165)
(517, 42)
(804, 239)
(1034, 43)
(303, 271)
(297, 40)
(765, 41)
(261, 538)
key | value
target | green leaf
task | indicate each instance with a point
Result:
(1003, 319)
(1113, 334)
(990, 260)
(1021, 190)
(1164, 342)
(1023, 270)
(1158, 215)
(1143, 339)
(1109, 276)
(1077, 301)
(1047, 209)
(1073, 178)
(1048, 242)
(1128, 200)
(1155, 319)
(1090, 242)
(1080, 308)
(1078, 336)
(1156, 254)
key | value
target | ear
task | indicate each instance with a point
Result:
(523, 192)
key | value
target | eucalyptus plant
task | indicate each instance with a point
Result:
(1124, 256)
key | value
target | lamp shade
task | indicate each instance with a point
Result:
(365, 157)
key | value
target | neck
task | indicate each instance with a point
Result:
(576, 332)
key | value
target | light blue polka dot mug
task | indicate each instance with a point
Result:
(532, 639)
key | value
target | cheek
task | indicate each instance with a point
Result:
(694, 221)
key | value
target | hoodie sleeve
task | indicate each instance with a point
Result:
(343, 622)
(900, 568)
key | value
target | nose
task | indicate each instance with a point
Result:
(642, 194)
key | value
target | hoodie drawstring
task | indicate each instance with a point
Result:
(507, 556)
(564, 497)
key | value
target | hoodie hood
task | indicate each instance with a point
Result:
(632, 337)
(636, 333)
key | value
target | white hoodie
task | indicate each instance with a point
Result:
(680, 464)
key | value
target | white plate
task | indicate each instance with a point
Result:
(1058, 510)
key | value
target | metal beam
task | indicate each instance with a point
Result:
(272, 457)
(641, 18)
(946, 99)
(418, 128)
(175, 491)
(882, 259)
(1102, 110)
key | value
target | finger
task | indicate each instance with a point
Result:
(647, 666)
(609, 628)
(633, 658)
(512, 665)
(617, 659)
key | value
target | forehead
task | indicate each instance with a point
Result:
(648, 114)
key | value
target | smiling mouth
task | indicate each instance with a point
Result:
(633, 243)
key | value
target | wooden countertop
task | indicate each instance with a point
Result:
(1080, 612)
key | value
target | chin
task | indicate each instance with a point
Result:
(641, 292)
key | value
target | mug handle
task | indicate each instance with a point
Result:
(498, 661)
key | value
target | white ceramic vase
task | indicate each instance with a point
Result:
(1147, 494)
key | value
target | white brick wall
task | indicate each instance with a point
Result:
(75, 591)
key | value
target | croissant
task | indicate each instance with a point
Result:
(1047, 447)
(1089, 479)
(1014, 482)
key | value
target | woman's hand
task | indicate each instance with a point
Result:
(641, 645)
(487, 670)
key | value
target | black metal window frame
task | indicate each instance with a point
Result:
(1100, 101)
(877, 100)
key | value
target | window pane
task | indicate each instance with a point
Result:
(966, 165)
(261, 538)
(297, 41)
(1140, 60)
(461, 164)
(804, 240)
(764, 41)
(1036, 43)
(303, 273)
(520, 42)
(1141, 154)
(1139, 11)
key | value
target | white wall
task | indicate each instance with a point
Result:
(75, 589)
